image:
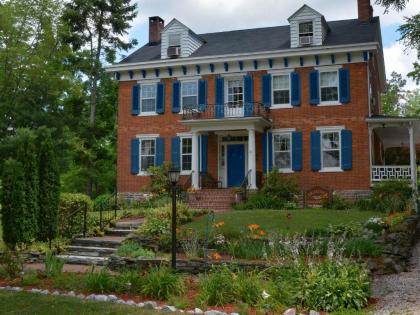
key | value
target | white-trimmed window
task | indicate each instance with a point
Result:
(306, 33)
(282, 151)
(174, 39)
(186, 154)
(148, 98)
(147, 153)
(331, 149)
(189, 94)
(281, 90)
(235, 92)
(328, 85)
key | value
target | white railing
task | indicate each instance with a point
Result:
(381, 173)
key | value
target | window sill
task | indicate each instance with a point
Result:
(330, 104)
(143, 174)
(281, 106)
(185, 173)
(331, 170)
(148, 114)
(286, 171)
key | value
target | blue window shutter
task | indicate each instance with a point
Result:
(176, 152)
(314, 88)
(135, 156)
(160, 151)
(204, 152)
(220, 97)
(296, 88)
(266, 90)
(297, 151)
(135, 100)
(249, 95)
(346, 150)
(344, 77)
(160, 102)
(202, 95)
(176, 97)
(316, 150)
(267, 152)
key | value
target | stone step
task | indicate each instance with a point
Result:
(107, 241)
(118, 232)
(129, 225)
(83, 260)
(90, 251)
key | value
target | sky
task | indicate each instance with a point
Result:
(206, 16)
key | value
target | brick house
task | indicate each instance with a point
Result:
(229, 106)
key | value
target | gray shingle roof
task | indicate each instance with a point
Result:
(266, 39)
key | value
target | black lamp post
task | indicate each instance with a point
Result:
(174, 178)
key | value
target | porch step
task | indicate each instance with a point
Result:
(215, 199)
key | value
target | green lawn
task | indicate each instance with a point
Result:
(277, 221)
(29, 303)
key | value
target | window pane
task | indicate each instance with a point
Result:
(186, 163)
(189, 88)
(235, 93)
(305, 28)
(329, 78)
(329, 94)
(187, 146)
(281, 82)
(148, 105)
(330, 140)
(331, 158)
(281, 97)
(148, 91)
(282, 160)
(146, 162)
(189, 102)
(174, 39)
(147, 147)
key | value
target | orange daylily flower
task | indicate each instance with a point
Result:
(253, 227)
(219, 224)
(261, 232)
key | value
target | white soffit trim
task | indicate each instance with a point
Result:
(300, 52)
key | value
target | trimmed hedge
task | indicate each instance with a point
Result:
(71, 214)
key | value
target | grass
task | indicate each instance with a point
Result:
(276, 221)
(23, 303)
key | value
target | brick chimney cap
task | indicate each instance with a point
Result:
(153, 18)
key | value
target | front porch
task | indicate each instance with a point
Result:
(393, 153)
(233, 146)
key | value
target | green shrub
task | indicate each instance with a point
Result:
(128, 281)
(337, 203)
(246, 248)
(104, 202)
(261, 201)
(332, 286)
(30, 279)
(101, 282)
(71, 214)
(217, 287)
(392, 196)
(162, 282)
(159, 183)
(11, 264)
(278, 186)
(133, 249)
(53, 265)
(248, 287)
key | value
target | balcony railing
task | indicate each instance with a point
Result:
(219, 111)
(382, 173)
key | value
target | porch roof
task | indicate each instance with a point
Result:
(243, 123)
(393, 131)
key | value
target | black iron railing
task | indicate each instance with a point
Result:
(245, 184)
(228, 110)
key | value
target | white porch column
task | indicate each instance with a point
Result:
(252, 165)
(195, 163)
(413, 163)
(371, 156)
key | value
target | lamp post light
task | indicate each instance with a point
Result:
(174, 178)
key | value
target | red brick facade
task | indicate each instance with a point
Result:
(305, 118)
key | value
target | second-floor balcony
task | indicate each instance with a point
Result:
(227, 110)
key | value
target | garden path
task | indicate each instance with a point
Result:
(400, 293)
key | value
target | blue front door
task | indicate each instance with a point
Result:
(235, 164)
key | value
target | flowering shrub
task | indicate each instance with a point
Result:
(396, 218)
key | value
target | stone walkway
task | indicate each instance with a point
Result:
(399, 293)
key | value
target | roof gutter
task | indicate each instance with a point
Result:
(300, 52)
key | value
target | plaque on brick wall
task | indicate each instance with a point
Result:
(317, 196)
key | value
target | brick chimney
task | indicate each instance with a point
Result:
(156, 25)
(365, 10)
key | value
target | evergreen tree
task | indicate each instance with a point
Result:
(13, 207)
(27, 156)
(49, 187)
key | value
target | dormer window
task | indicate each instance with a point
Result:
(174, 40)
(306, 33)
(174, 47)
